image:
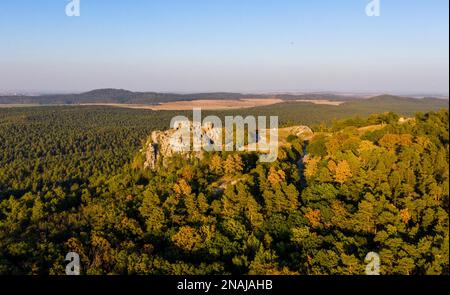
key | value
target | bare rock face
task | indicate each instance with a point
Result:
(303, 131)
(151, 156)
(164, 144)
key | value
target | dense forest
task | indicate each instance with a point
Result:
(71, 179)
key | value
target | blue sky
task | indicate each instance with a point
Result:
(225, 45)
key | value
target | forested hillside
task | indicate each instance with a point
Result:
(129, 97)
(71, 180)
(125, 96)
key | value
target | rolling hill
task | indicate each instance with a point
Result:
(125, 96)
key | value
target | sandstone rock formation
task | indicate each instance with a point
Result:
(162, 145)
(303, 131)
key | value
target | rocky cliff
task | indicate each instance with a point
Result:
(162, 145)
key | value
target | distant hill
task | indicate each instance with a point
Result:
(122, 96)
(398, 102)
(115, 96)
(130, 97)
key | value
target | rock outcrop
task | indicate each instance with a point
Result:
(303, 131)
(162, 145)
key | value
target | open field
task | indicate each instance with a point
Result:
(206, 104)
(321, 101)
(17, 105)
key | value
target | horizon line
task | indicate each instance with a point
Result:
(255, 92)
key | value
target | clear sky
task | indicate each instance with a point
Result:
(225, 45)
